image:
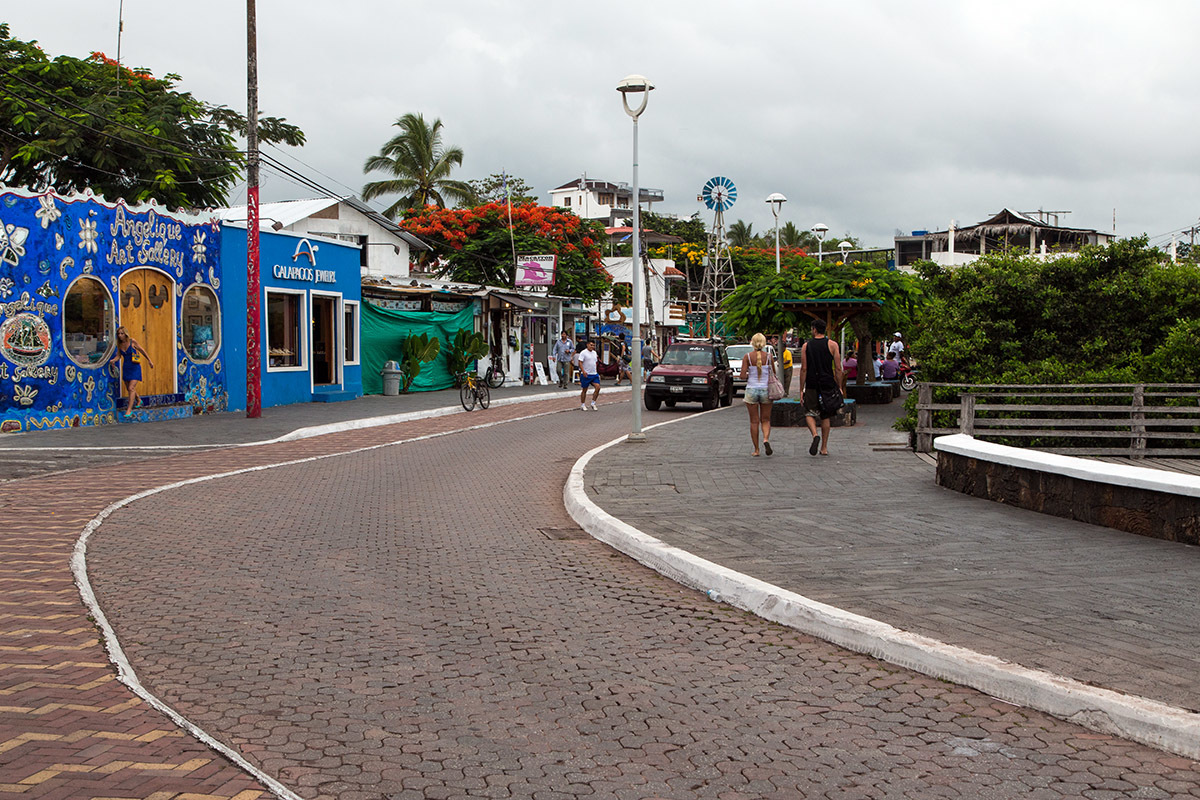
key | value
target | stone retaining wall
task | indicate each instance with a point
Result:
(1136, 509)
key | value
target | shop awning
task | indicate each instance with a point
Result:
(519, 302)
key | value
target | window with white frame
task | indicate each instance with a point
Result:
(350, 326)
(285, 317)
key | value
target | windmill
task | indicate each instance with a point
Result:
(718, 194)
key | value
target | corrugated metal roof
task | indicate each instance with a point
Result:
(289, 212)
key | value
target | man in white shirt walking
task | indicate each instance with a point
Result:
(588, 375)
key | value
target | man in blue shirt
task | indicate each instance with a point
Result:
(564, 352)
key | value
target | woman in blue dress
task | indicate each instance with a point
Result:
(131, 354)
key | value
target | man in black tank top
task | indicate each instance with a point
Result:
(820, 371)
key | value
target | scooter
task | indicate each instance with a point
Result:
(908, 376)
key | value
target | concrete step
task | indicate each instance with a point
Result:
(332, 395)
(157, 413)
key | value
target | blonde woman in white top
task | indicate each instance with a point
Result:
(756, 370)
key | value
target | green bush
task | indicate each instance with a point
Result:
(467, 347)
(415, 352)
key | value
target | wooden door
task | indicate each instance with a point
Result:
(148, 314)
(324, 341)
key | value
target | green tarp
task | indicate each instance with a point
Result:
(382, 330)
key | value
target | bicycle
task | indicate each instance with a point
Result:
(495, 376)
(473, 390)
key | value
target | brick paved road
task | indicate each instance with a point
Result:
(68, 729)
(396, 624)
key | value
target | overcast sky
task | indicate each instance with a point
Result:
(868, 116)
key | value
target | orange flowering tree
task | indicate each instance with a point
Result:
(473, 245)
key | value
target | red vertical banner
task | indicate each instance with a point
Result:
(253, 316)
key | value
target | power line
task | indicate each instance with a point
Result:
(352, 190)
(197, 146)
(91, 167)
(77, 123)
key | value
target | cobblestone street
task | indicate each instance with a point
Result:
(423, 620)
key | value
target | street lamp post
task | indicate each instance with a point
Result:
(776, 200)
(820, 229)
(636, 84)
(845, 248)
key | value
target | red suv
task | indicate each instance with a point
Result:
(691, 372)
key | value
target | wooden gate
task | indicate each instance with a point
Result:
(148, 314)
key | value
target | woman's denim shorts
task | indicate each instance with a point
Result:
(756, 396)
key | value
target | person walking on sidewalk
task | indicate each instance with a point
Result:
(756, 371)
(564, 351)
(820, 371)
(588, 375)
(786, 355)
(649, 358)
(131, 354)
(624, 360)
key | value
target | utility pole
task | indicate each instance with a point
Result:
(253, 338)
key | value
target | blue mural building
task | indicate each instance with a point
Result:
(74, 268)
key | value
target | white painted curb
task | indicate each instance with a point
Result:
(1155, 480)
(1142, 720)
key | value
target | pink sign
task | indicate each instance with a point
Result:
(535, 271)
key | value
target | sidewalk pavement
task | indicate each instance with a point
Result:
(26, 454)
(866, 530)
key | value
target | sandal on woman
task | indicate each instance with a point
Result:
(767, 447)
(816, 444)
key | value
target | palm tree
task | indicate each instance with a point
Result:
(420, 165)
(789, 235)
(740, 234)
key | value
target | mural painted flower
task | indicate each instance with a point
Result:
(87, 235)
(198, 247)
(12, 243)
(47, 212)
(24, 394)
(6, 287)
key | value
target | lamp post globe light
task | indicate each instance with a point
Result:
(845, 248)
(636, 85)
(776, 200)
(820, 229)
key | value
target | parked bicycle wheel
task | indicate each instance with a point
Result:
(466, 394)
(495, 377)
(485, 396)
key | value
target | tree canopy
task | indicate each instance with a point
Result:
(70, 123)
(473, 245)
(500, 188)
(753, 306)
(1115, 313)
(419, 166)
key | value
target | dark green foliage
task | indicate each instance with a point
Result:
(68, 124)
(468, 346)
(419, 167)
(691, 229)
(1109, 315)
(492, 189)
(417, 350)
(753, 307)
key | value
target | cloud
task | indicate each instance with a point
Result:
(868, 115)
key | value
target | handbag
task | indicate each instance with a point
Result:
(774, 387)
(829, 400)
